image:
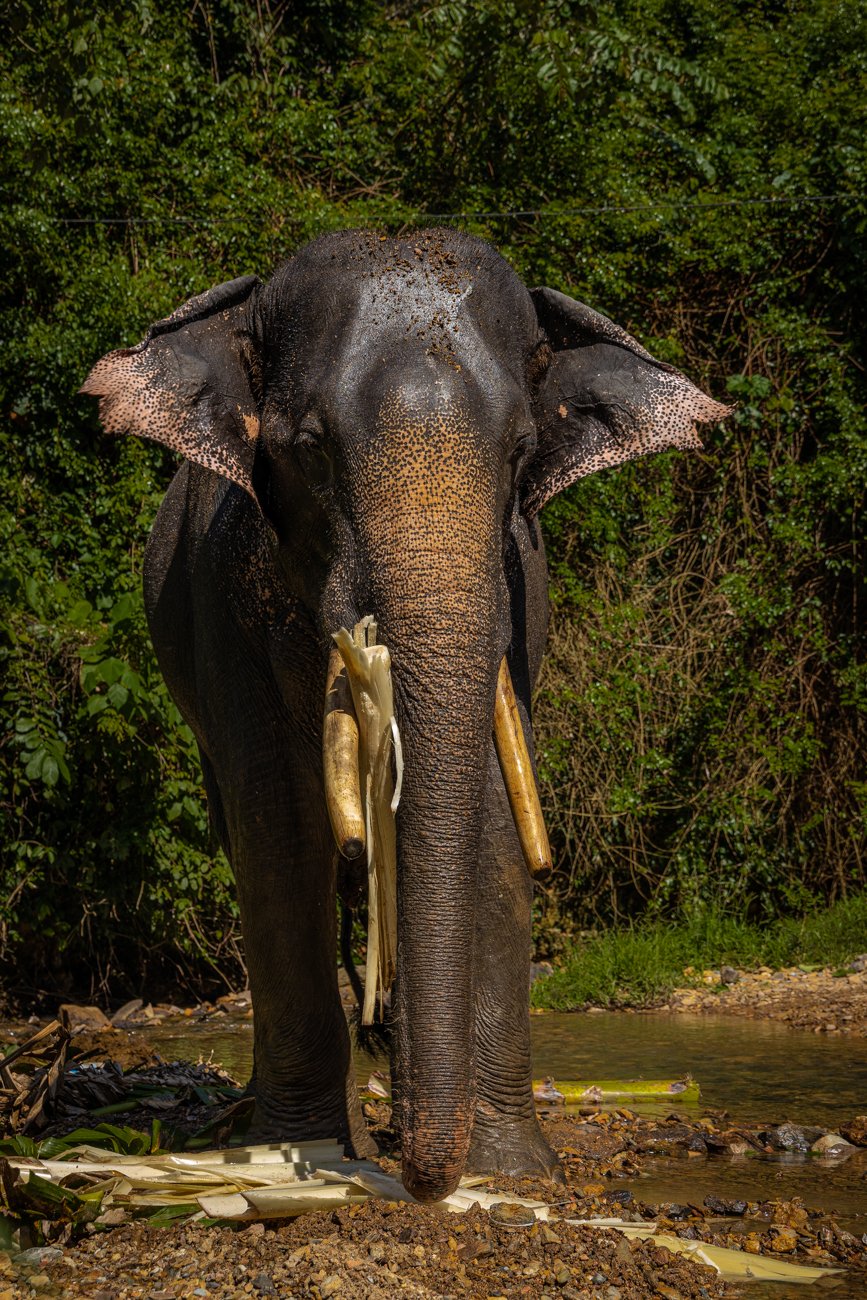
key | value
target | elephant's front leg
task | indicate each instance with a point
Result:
(284, 861)
(506, 1133)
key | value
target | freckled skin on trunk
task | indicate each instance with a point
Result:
(435, 558)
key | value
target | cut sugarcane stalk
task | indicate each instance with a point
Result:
(281, 1202)
(572, 1092)
(519, 778)
(729, 1263)
(368, 668)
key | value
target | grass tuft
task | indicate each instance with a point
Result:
(639, 967)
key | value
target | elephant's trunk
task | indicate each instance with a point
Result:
(428, 521)
(445, 692)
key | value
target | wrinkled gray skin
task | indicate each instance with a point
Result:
(374, 432)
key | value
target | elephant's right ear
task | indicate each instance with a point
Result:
(191, 384)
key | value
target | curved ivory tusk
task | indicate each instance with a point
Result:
(340, 761)
(519, 778)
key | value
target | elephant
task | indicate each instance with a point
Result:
(374, 431)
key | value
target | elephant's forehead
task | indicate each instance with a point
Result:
(419, 324)
(420, 297)
(410, 308)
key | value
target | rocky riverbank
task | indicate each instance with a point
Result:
(825, 1001)
(380, 1249)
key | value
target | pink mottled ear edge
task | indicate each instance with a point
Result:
(188, 384)
(605, 400)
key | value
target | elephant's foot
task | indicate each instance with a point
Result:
(272, 1123)
(501, 1145)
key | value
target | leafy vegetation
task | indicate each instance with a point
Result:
(639, 966)
(702, 711)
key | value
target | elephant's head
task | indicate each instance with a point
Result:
(397, 408)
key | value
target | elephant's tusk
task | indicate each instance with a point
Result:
(340, 761)
(519, 778)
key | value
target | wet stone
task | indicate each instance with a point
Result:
(855, 1131)
(75, 1018)
(724, 1208)
(792, 1137)
(832, 1144)
(36, 1256)
(730, 1144)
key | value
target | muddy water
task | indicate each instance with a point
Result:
(755, 1070)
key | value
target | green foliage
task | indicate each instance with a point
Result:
(111, 1137)
(103, 768)
(701, 716)
(639, 966)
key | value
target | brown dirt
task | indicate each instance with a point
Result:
(372, 1250)
(822, 1001)
(379, 1249)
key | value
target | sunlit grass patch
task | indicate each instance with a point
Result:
(640, 966)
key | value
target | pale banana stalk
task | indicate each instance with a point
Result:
(368, 668)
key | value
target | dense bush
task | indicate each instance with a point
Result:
(702, 711)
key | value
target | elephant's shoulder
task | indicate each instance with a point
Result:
(208, 537)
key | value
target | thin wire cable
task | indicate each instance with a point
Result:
(659, 205)
(515, 214)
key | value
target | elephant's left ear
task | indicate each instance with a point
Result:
(604, 400)
(191, 384)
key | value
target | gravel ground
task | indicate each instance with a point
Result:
(824, 1001)
(373, 1250)
(379, 1249)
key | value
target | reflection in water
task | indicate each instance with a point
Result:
(755, 1070)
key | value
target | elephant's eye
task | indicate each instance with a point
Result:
(522, 451)
(312, 452)
(309, 436)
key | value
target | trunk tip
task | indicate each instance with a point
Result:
(430, 1185)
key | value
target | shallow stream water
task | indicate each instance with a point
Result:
(756, 1070)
